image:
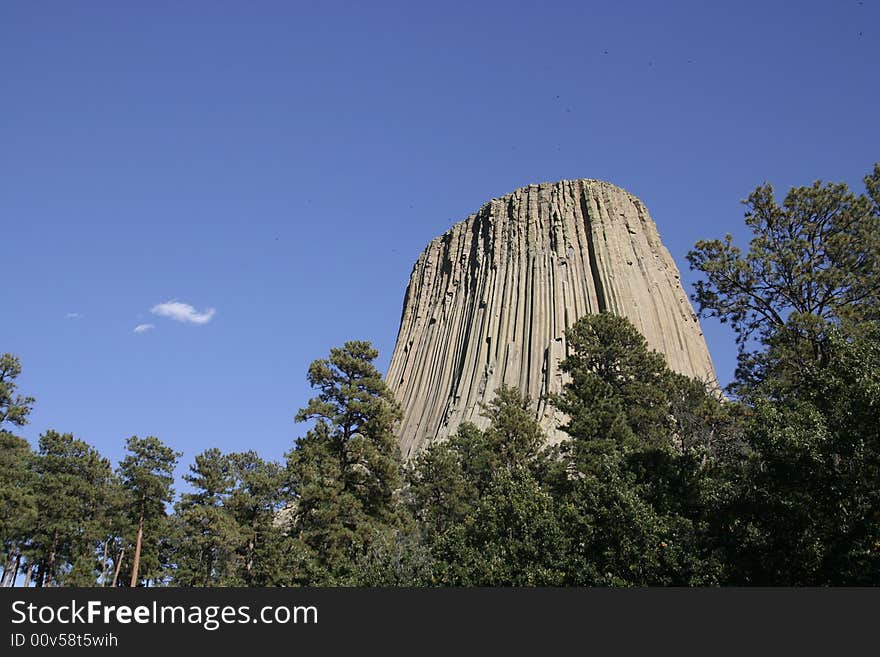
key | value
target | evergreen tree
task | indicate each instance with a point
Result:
(72, 484)
(18, 510)
(633, 496)
(801, 504)
(346, 470)
(512, 537)
(256, 499)
(804, 506)
(812, 262)
(442, 490)
(207, 533)
(14, 408)
(482, 510)
(447, 480)
(117, 530)
(146, 475)
(514, 434)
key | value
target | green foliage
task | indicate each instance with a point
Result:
(640, 461)
(72, 485)
(207, 532)
(227, 533)
(13, 407)
(257, 496)
(394, 558)
(345, 471)
(446, 480)
(482, 512)
(18, 510)
(511, 537)
(618, 396)
(801, 504)
(118, 531)
(812, 262)
(805, 507)
(513, 435)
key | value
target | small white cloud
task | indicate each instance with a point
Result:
(182, 312)
(143, 328)
(73, 316)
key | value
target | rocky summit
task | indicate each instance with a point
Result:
(489, 301)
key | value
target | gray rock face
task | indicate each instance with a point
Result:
(488, 302)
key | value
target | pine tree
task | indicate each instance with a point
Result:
(116, 529)
(483, 513)
(812, 263)
(18, 510)
(207, 532)
(147, 474)
(254, 503)
(511, 537)
(346, 470)
(804, 505)
(801, 504)
(633, 495)
(514, 433)
(72, 482)
(17, 505)
(14, 408)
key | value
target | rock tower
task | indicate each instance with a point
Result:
(488, 302)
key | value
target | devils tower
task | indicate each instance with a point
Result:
(489, 301)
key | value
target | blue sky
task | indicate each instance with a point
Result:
(278, 166)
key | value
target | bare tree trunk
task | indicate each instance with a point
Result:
(118, 567)
(14, 574)
(50, 567)
(104, 564)
(137, 552)
(249, 568)
(28, 573)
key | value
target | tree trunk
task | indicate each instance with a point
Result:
(15, 570)
(5, 570)
(28, 573)
(249, 568)
(50, 566)
(118, 567)
(104, 565)
(137, 551)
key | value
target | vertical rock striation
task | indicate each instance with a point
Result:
(488, 302)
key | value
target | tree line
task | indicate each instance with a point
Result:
(661, 480)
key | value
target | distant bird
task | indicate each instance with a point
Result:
(605, 52)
